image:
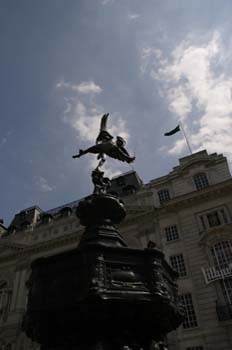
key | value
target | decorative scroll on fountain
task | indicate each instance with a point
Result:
(102, 295)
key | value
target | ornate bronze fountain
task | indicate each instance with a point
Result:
(103, 294)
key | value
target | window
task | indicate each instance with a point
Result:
(171, 233)
(46, 218)
(177, 262)
(5, 300)
(222, 254)
(198, 347)
(201, 181)
(190, 319)
(224, 216)
(163, 196)
(65, 212)
(226, 286)
(214, 218)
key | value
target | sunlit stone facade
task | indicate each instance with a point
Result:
(187, 213)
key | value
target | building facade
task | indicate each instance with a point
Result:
(187, 213)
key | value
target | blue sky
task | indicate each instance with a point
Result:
(150, 64)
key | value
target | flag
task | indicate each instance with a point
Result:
(172, 132)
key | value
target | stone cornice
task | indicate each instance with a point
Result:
(193, 198)
(43, 246)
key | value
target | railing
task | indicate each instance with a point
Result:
(224, 312)
(212, 274)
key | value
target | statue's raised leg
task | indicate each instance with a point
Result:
(94, 149)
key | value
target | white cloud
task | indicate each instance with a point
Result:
(5, 138)
(196, 93)
(133, 16)
(3, 141)
(84, 116)
(106, 2)
(86, 87)
(41, 184)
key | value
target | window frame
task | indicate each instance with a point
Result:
(222, 214)
(190, 319)
(171, 233)
(178, 264)
(200, 181)
(164, 195)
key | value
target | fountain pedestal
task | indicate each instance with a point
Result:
(102, 295)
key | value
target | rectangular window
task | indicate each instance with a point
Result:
(227, 290)
(171, 233)
(201, 181)
(213, 219)
(177, 262)
(190, 320)
(163, 196)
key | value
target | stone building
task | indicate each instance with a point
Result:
(187, 213)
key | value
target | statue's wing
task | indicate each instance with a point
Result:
(104, 122)
(104, 135)
(118, 153)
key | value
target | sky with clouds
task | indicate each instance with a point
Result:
(151, 64)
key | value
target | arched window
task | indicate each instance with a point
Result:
(200, 181)
(163, 195)
(222, 254)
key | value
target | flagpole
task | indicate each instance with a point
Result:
(186, 139)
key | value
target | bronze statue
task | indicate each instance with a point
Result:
(106, 145)
(101, 183)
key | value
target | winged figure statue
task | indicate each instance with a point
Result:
(105, 145)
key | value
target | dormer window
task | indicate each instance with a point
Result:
(164, 195)
(46, 218)
(200, 181)
(66, 212)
